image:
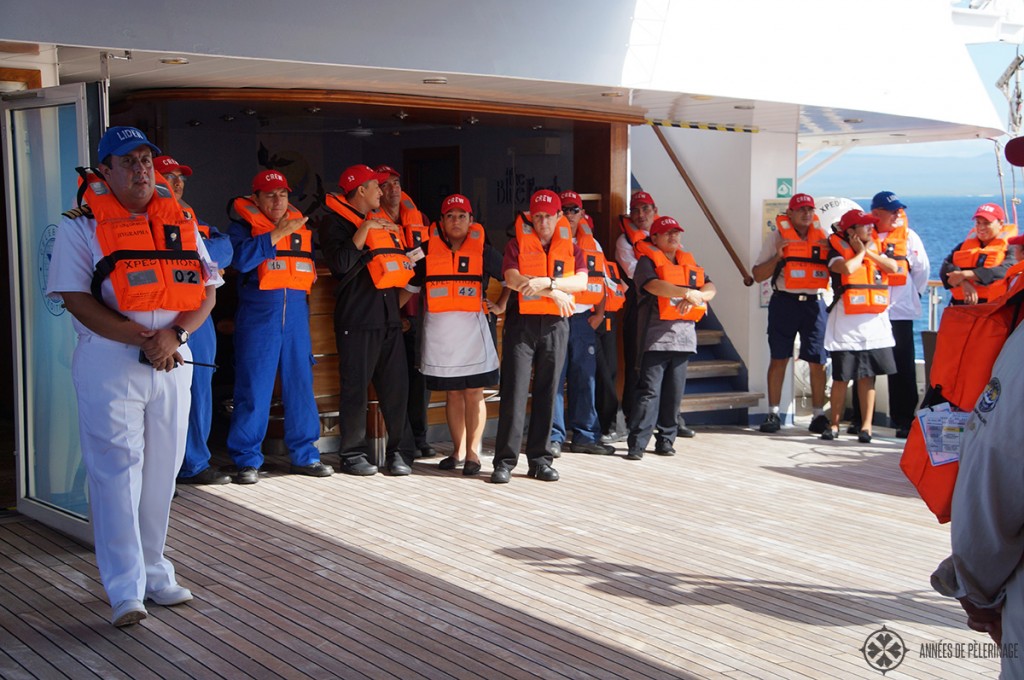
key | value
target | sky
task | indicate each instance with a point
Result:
(959, 168)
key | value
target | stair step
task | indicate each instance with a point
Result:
(709, 337)
(719, 401)
(712, 368)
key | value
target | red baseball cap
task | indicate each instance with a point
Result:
(801, 201)
(640, 198)
(1017, 240)
(545, 201)
(165, 164)
(268, 180)
(990, 211)
(853, 218)
(387, 170)
(570, 198)
(456, 202)
(357, 175)
(663, 225)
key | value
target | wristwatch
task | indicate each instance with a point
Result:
(182, 334)
(554, 283)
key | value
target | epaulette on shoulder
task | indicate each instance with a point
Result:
(80, 211)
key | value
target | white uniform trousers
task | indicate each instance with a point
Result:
(133, 421)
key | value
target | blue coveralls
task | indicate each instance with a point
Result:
(203, 343)
(271, 334)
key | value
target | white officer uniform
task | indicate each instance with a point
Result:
(133, 422)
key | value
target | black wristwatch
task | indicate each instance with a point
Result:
(182, 334)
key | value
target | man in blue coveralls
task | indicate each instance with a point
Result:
(196, 468)
(273, 254)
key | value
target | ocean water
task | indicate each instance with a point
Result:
(942, 222)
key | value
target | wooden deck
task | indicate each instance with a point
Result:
(745, 556)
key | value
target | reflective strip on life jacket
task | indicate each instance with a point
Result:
(455, 279)
(389, 266)
(804, 263)
(865, 291)
(292, 266)
(682, 272)
(615, 288)
(152, 260)
(594, 293)
(558, 262)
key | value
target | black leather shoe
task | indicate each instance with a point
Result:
(853, 429)
(544, 473)
(317, 469)
(555, 449)
(830, 434)
(634, 454)
(471, 468)
(864, 437)
(398, 467)
(685, 432)
(426, 451)
(448, 463)
(211, 475)
(595, 448)
(903, 433)
(358, 466)
(819, 424)
(664, 450)
(501, 475)
(247, 475)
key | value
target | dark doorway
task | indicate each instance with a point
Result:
(431, 175)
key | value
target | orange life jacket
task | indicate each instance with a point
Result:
(204, 229)
(594, 293)
(973, 255)
(455, 279)
(682, 272)
(615, 288)
(895, 244)
(634, 233)
(804, 264)
(558, 262)
(413, 223)
(969, 340)
(152, 260)
(389, 266)
(292, 265)
(865, 291)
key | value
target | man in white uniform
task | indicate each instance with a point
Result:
(128, 367)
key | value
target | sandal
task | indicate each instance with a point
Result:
(448, 463)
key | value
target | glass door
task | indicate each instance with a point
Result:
(46, 133)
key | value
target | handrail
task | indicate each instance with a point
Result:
(934, 301)
(748, 280)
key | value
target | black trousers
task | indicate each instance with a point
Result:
(629, 353)
(376, 356)
(419, 396)
(606, 394)
(658, 394)
(532, 344)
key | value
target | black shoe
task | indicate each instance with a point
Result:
(683, 431)
(634, 454)
(426, 451)
(501, 475)
(664, 450)
(398, 467)
(555, 449)
(544, 473)
(211, 475)
(864, 437)
(830, 434)
(903, 433)
(247, 475)
(448, 463)
(317, 469)
(592, 447)
(358, 465)
(471, 468)
(818, 424)
(612, 437)
(771, 423)
(853, 429)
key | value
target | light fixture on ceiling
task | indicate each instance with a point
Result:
(227, 118)
(249, 112)
(612, 93)
(701, 97)
(853, 121)
(472, 120)
(537, 127)
(744, 107)
(174, 61)
(313, 109)
(456, 127)
(435, 81)
(194, 123)
(401, 115)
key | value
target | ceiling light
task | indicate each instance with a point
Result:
(249, 112)
(227, 118)
(194, 123)
(744, 107)
(174, 61)
(472, 120)
(313, 109)
(612, 93)
(401, 115)
(537, 127)
(701, 97)
(853, 121)
(435, 81)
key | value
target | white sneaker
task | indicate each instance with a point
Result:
(171, 595)
(128, 612)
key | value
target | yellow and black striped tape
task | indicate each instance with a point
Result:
(704, 126)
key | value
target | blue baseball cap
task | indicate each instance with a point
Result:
(119, 140)
(886, 200)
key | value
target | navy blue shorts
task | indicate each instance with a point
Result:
(788, 317)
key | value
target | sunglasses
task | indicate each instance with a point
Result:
(572, 210)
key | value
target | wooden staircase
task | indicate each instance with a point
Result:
(716, 381)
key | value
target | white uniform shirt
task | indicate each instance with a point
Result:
(905, 300)
(75, 254)
(625, 255)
